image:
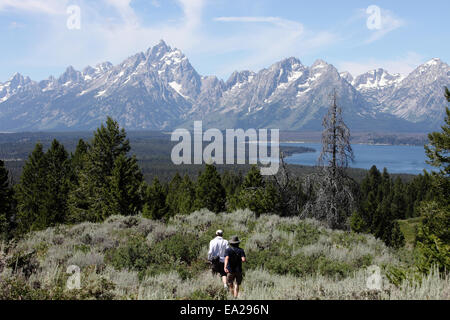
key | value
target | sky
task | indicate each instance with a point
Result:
(39, 38)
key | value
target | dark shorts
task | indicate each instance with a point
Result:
(234, 276)
(219, 269)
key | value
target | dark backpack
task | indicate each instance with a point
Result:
(215, 263)
(233, 258)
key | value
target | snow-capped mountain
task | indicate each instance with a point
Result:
(419, 97)
(377, 84)
(159, 89)
(15, 84)
(289, 95)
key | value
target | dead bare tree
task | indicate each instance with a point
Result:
(333, 199)
(289, 189)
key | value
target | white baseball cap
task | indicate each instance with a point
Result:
(219, 232)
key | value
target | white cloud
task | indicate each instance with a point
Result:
(111, 30)
(125, 11)
(156, 3)
(403, 65)
(275, 38)
(388, 23)
(51, 7)
(283, 23)
(16, 25)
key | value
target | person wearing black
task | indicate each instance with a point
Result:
(234, 256)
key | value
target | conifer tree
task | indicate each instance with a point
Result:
(433, 238)
(6, 203)
(232, 184)
(209, 192)
(126, 185)
(97, 189)
(32, 193)
(155, 206)
(59, 173)
(271, 199)
(438, 153)
(398, 205)
(43, 189)
(382, 203)
(252, 194)
(78, 158)
(253, 179)
(173, 195)
(334, 200)
(186, 196)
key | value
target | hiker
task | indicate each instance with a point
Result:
(234, 256)
(216, 255)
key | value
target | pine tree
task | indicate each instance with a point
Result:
(79, 157)
(97, 189)
(173, 195)
(232, 184)
(253, 179)
(6, 203)
(125, 185)
(271, 199)
(209, 192)
(334, 201)
(186, 196)
(398, 205)
(433, 239)
(438, 153)
(289, 201)
(155, 206)
(43, 189)
(397, 238)
(382, 203)
(438, 150)
(252, 194)
(59, 173)
(108, 144)
(32, 193)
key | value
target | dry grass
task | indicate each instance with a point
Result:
(86, 245)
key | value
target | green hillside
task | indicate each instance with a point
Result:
(138, 258)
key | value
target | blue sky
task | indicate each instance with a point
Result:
(221, 36)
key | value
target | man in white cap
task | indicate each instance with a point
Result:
(216, 255)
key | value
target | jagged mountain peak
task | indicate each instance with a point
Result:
(158, 51)
(160, 89)
(434, 62)
(18, 80)
(70, 76)
(376, 79)
(320, 63)
(434, 65)
(16, 76)
(347, 76)
(239, 77)
(104, 66)
(288, 64)
(88, 70)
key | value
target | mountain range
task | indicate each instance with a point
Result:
(160, 90)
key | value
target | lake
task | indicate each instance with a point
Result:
(397, 159)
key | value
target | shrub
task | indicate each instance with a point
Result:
(135, 255)
(182, 247)
(24, 262)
